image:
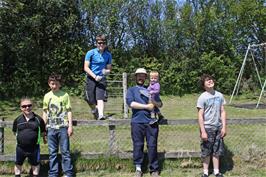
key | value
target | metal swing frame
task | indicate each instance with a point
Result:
(237, 84)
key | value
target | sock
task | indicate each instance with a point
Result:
(206, 172)
(215, 171)
(138, 167)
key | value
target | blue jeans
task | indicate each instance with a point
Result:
(138, 134)
(59, 138)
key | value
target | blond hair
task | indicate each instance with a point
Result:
(154, 73)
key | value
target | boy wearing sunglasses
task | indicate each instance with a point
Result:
(28, 128)
(97, 65)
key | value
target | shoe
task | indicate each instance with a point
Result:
(138, 174)
(153, 121)
(102, 118)
(155, 174)
(219, 175)
(204, 175)
(95, 113)
(160, 116)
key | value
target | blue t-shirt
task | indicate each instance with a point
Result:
(98, 61)
(138, 115)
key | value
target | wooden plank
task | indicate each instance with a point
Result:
(121, 155)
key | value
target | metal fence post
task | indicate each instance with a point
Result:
(2, 136)
(112, 140)
(124, 95)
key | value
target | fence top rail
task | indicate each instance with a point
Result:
(114, 122)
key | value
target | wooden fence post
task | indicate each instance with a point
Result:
(124, 95)
(112, 140)
(2, 136)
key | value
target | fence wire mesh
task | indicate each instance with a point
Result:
(92, 138)
(242, 140)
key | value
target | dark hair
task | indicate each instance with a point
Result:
(101, 37)
(203, 78)
(24, 98)
(55, 77)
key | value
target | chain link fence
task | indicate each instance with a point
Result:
(177, 138)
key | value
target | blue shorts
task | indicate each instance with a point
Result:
(214, 145)
(33, 155)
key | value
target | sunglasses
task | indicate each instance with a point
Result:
(101, 43)
(27, 105)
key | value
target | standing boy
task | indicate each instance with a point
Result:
(28, 127)
(58, 118)
(97, 65)
(212, 123)
(138, 98)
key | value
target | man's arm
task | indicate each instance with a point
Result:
(223, 118)
(14, 128)
(203, 134)
(136, 105)
(44, 116)
(88, 70)
(70, 123)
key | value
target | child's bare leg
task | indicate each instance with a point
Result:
(206, 162)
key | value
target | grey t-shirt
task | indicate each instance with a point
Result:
(211, 104)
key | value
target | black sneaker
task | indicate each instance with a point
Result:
(160, 116)
(219, 175)
(102, 118)
(153, 121)
(95, 113)
(204, 175)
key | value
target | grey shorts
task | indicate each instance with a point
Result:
(95, 90)
(214, 145)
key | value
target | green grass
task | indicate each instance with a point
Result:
(175, 107)
(246, 143)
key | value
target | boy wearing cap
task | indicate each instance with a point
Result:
(138, 99)
(97, 65)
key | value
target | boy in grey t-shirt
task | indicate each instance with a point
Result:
(212, 123)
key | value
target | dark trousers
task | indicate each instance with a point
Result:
(138, 134)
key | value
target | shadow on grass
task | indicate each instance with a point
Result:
(44, 168)
(226, 162)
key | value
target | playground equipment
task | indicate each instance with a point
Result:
(250, 51)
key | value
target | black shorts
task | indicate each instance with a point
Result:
(32, 153)
(95, 90)
(214, 145)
